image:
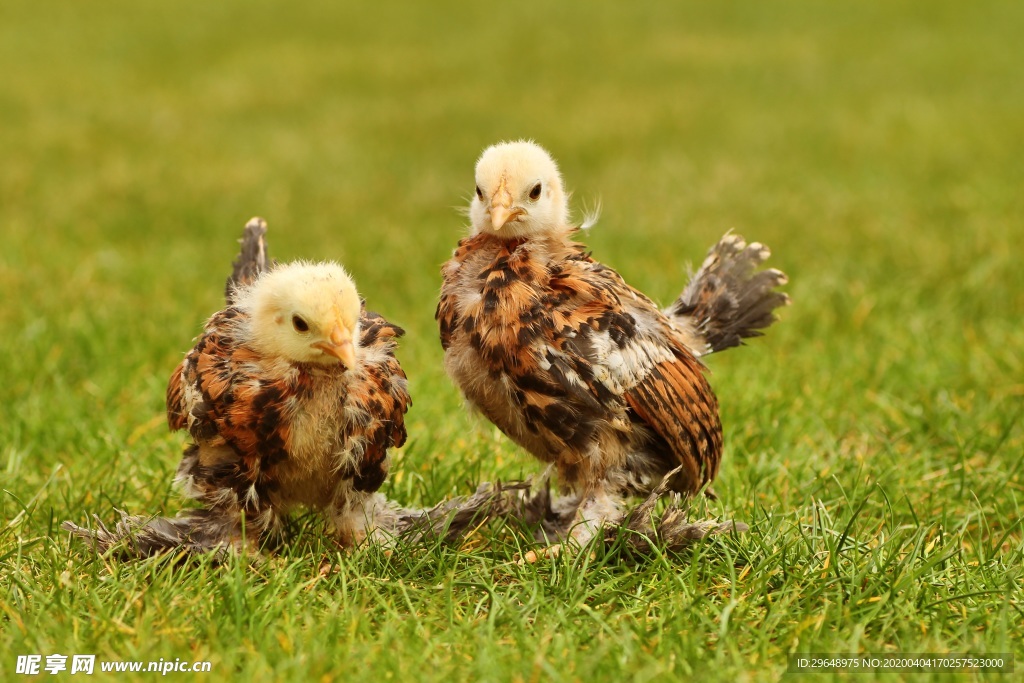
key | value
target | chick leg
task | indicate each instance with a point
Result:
(572, 519)
(354, 515)
(598, 510)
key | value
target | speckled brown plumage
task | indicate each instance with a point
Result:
(250, 418)
(275, 425)
(575, 365)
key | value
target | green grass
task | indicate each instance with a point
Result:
(874, 437)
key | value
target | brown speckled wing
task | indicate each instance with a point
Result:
(176, 410)
(382, 399)
(634, 354)
(232, 400)
(674, 399)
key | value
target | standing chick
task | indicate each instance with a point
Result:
(292, 396)
(572, 363)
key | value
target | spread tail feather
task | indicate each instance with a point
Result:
(728, 299)
(252, 257)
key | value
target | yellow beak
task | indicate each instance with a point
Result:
(502, 212)
(340, 346)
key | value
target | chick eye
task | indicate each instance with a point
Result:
(535, 192)
(299, 324)
(479, 192)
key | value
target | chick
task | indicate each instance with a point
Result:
(573, 364)
(292, 397)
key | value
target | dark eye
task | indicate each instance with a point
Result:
(299, 324)
(535, 192)
(479, 192)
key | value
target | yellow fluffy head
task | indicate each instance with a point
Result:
(304, 313)
(519, 192)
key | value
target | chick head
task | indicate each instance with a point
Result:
(304, 313)
(519, 192)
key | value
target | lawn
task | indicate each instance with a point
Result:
(874, 437)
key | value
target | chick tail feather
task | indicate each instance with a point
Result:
(252, 258)
(728, 299)
(194, 531)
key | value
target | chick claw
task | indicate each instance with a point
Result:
(533, 557)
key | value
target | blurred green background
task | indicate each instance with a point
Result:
(874, 146)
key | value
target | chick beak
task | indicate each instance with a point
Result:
(340, 346)
(502, 212)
